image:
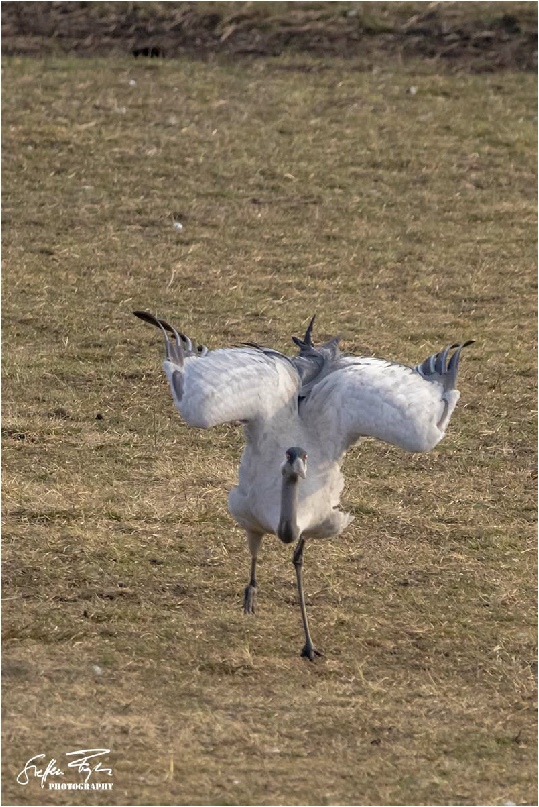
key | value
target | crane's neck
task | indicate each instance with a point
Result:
(288, 530)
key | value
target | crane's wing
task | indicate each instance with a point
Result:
(405, 406)
(221, 386)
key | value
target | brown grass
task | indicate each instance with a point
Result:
(405, 221)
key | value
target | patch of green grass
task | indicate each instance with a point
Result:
(406, 222)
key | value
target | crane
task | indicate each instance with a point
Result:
(300, 415)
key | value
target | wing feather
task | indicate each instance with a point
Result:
(375, 398)
(222, 386)
(236, 384)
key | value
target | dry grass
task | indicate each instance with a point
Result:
(405, 221)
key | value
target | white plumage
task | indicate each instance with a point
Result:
(321, 400)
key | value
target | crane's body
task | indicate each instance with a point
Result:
(256, 501)
(320, 400)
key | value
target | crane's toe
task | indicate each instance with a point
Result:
(310, 652)
(249, 602)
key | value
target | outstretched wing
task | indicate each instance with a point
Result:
(221, 386)
(407, 407)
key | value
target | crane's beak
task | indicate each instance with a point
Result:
(299, 467)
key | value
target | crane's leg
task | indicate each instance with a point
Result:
(254, 539)
(309, 651)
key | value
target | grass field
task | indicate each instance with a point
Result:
(397, 204)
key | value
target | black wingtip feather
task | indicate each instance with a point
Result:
(438, 365)
(147, 317)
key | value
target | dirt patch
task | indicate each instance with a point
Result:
(478, 37)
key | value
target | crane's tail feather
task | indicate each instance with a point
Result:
(307, 341)
(308, 333)
(438, 368)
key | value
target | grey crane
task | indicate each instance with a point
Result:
(309, 408)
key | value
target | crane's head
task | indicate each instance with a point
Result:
(295, 463)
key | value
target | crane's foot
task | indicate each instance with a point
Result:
(310, 652)
(249, 602)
